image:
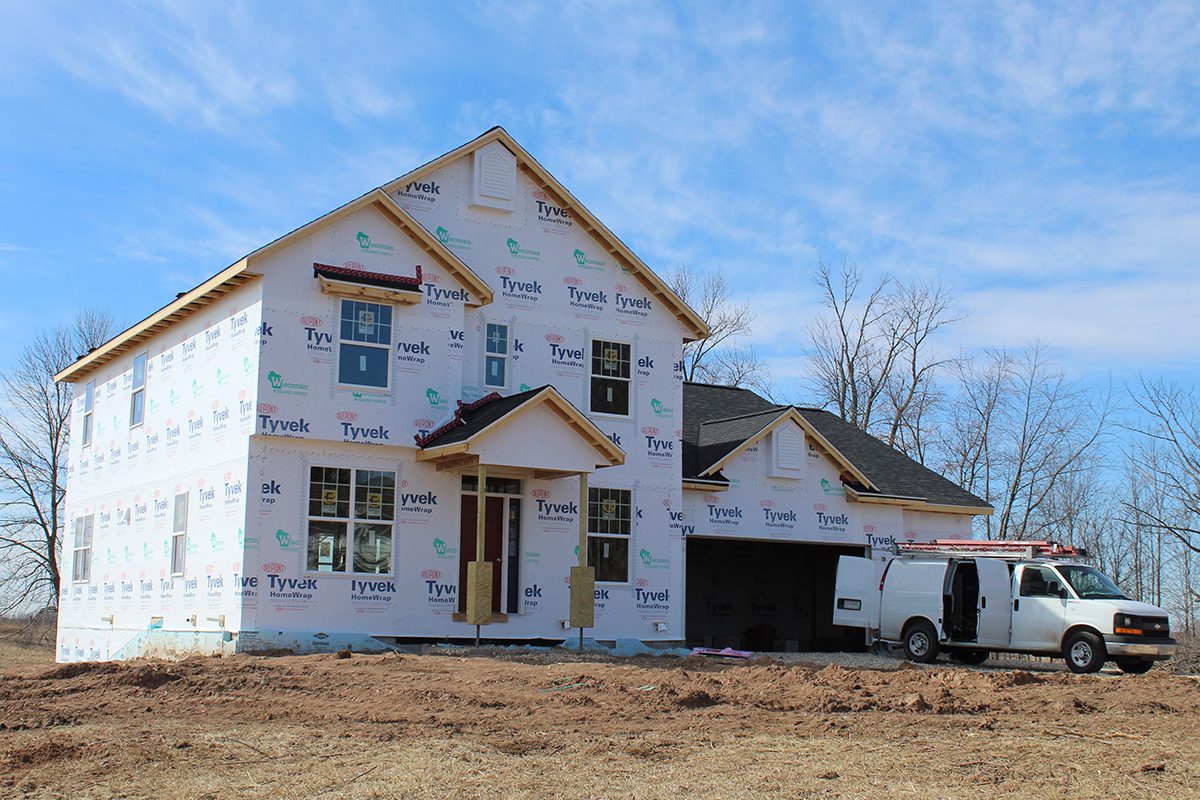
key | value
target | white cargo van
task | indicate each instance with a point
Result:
(975, 598)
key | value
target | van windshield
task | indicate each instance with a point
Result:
(1090, 583)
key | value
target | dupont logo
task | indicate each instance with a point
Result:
(554, 338)
(505, 270)
(267, 408)
(540, 494)
(572, 280)
(274, 566)
(346, 416)
(375, 248)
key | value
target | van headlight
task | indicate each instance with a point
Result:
(1126, 625)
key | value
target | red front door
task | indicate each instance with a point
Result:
(493, 544)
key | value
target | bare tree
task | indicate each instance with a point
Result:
(35, 426)
(727, 355)
(872, 357)
(1170, 459)
(1019, 428)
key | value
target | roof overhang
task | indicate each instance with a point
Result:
(914, 503)
(790, 414)
(693, 323)
(185, 305)
(475, 449)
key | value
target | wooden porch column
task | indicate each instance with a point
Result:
(479, 571)
(583, 577)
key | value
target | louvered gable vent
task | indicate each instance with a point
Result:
(494, 183)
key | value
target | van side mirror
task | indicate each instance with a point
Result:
(1055, 589)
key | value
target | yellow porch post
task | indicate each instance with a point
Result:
(583, 577)
(479, 571)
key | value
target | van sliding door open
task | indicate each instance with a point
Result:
(856, 599)
(995, 602)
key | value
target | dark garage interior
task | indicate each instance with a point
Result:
(765, 596)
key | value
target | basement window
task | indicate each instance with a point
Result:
(610, 377)
(365, 344)
(609, 523)
(81, 555)
(341, 502)
(137, 401)
(179, 535)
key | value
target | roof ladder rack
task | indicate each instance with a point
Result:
(1007, 549)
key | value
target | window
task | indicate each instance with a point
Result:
(341, 501)
(1035, 582)
(81, 561)
(179, 535)
(365, 344)
(495, 363)
(137, 401)
(89, 399)
(610, 377)
(609, 514)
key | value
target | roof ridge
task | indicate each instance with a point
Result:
(744, 416)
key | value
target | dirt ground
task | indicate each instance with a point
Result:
(562, 725)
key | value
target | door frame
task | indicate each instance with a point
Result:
(508, 498)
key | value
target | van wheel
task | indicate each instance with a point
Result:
(920, 642)
(1135, 666)
(1084, 652)
(972, 657)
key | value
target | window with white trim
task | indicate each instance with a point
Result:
(610, 377)
(495, 361)
(89, 400)
(365, 345)
(609, 522)
(137, 400)
(179, 535)
(350, 520)
(81, 549)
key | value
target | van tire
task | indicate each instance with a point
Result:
(921, 642)
(972, 657)
(1134, 666)
(1084, 652)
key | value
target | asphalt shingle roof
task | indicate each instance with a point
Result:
(471, 418)
(718, 419)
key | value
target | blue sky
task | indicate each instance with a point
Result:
(1042, 160)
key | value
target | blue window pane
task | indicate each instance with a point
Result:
(496, 337)
(364, 366)
(366, 322)
(495, 371)
(139, 371)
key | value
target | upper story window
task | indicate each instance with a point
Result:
(137, 401)
(81, 560)
(341, 502)
(610, 515)
(610, 377)
(495, 362)
(89, 400)
(365, 345)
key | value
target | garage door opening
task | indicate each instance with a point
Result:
(765, 596)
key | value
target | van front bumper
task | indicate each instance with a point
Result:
(1137, 646)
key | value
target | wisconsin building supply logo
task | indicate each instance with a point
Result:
(552, 214)
(830, 523)
(449, 240)
(650, 562)
(827, 487)
(516, 251)
(285, 540)
(443, 550)
(660, 409)
(281, 386)
(587, 262)
(434, 398)
(375, 248)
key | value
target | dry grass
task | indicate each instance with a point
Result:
(556, 726)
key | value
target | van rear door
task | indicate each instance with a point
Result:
(856, 598)
(995, 602)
